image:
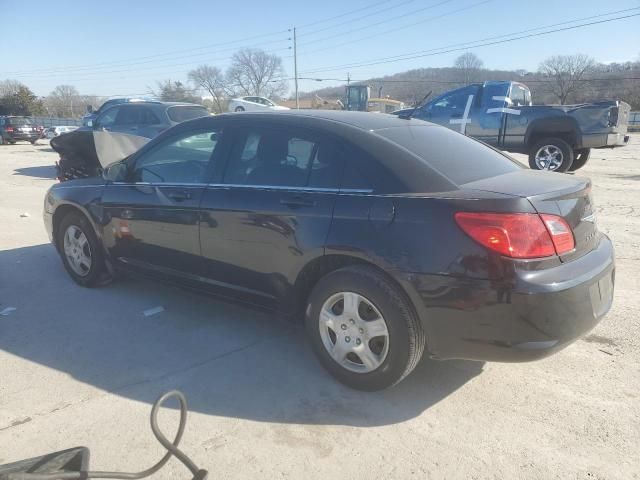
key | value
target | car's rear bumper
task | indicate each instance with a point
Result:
(534, 315)
(16, 137)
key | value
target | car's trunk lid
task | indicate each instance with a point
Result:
(564, 195)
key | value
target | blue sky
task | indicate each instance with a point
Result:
(119, 47)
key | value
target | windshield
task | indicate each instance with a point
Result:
(20, 121)
(184, 113)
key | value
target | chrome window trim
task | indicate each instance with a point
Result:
(237, 185)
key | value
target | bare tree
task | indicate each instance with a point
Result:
(170, 91)
(566, 73)
(469, 64)
(65, 101)
(255, 72)
(212, 80)
(10, 87)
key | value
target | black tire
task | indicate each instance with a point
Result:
(239, 109)
(580, 159)
(97, 273)
(558, 143)
(34, 142)
(406, 336)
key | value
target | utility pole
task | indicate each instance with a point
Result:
(295, 65)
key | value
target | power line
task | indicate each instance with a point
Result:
(356, 10)
(469, 43)
(453, 82)
(85, 75)
(387, 20)
(348, 22)
(395, 30)
(143, 59)
(447, 49)
(154, 56)
(123, 64)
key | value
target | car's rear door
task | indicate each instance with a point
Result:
(153, 218)
(271, 213)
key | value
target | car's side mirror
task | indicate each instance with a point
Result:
(118, 172)
(89, 108)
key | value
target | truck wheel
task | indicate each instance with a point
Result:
(363, 329)
(551, 154)
(581, 158)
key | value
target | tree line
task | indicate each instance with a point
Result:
(250, 72)
(559, 79)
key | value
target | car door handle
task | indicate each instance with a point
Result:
(297, 202)
(179, 196)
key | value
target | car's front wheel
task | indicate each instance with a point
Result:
(239, 109)
(80, 250)
(363, 329)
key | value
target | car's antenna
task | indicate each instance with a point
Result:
(407, 116)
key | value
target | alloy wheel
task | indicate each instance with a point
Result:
(77, 250)
(354, 332)
(549, 157)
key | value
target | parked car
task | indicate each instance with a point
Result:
(253, 104)
(17, 128)
(117, 132)
(556, 137)
(92, 114)
(393, 238)
(58, 130)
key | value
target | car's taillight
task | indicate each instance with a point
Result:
(518, 235)
(9, 129)
(560, 232)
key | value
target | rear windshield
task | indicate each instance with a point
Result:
(459, 158)
(19, 121)
(182, 114)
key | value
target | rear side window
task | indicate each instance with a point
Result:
(459, 158)
(283, 157)
(186, 112)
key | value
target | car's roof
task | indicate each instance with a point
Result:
(368, 121)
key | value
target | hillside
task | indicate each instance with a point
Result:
(608, 81)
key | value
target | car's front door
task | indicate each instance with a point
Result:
(153, 217)
(271, 214)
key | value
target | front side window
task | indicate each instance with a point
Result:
(454, 101)
(108, 118)
(182, 159)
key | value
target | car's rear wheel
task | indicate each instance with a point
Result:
(239, 109)
(363, 329)
(80, 250)
(580, 160)
(551, 154)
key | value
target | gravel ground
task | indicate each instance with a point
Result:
(82, 367)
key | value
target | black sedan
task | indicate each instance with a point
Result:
(392, 237)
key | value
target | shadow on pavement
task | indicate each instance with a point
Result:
(43, 171)
(229, 360)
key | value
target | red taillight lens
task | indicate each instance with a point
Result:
(9, 129)
(518, 235)
(560, 232)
